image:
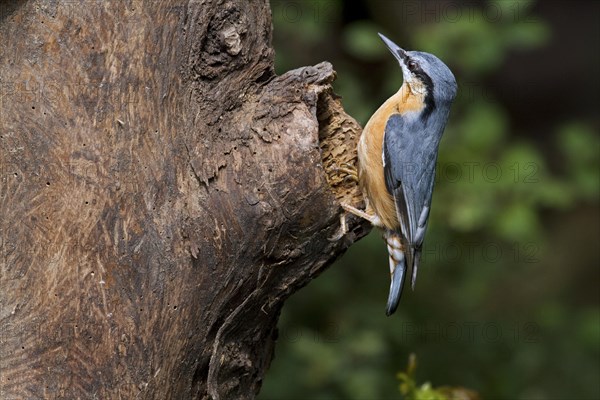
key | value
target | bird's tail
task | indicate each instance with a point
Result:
(398, 264)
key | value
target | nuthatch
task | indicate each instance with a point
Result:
(397, 154)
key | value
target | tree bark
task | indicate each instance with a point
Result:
(162, 193)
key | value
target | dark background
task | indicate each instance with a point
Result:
(507, 300)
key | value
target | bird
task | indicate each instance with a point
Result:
(397, 155)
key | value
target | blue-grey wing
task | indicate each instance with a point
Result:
(409, 167)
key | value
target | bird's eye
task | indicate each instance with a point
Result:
(412, 65)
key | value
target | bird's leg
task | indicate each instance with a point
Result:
(352, 173)
(342, 231)
(372, 218)
(349, 170)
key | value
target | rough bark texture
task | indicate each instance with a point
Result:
(162, 193)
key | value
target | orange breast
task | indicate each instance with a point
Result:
(370, 159)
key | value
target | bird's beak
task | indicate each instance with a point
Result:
(398, 52)
(401, 56)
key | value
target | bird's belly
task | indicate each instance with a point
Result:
(372, 180)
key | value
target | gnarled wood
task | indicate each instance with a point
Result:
(162, 193)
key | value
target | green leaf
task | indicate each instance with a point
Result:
(484, 127)
(526, 35)
(582, 152)
(518, 222)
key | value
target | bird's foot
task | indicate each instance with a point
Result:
(349, 171)
(372, 218)
(341, 231)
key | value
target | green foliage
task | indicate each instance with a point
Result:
(506, 301)
(582, 157)
(478, 43)
(409, 388)
(360, 39)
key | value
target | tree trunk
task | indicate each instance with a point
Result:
(162, 193)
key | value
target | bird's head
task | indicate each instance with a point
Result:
(424, 73)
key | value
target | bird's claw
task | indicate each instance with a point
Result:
(342, 231)
(372, 218)
(349, 170)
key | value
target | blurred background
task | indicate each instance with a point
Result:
(507, 300)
